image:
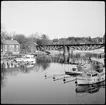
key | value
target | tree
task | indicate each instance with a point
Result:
(21, 39)
(45, 40)
(34, 37)
(62, 41)
(55, 41)
(89, 39)
(39, 41)
(4, 34)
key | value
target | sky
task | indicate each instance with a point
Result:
(56, 19)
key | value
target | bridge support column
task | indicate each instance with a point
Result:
(66, 54)
(66, 50)
(71, 54)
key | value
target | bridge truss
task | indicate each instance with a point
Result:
(70, 47)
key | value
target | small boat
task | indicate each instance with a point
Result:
(74, 72)
(80, 69)
(90, 77)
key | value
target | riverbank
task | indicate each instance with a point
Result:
(97, 51)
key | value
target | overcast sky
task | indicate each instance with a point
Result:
(56, 19)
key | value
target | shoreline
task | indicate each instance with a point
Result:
(98, 51)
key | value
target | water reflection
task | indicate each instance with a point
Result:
(60, 58)
(3, 76)
(44, 63)
(32, 79)
(85, 88)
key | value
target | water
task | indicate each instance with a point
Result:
(20, 86)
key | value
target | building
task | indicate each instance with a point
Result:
(11, 46)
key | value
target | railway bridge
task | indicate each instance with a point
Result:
(66, 48)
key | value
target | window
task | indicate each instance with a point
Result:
(9, 47)
(16, 47)
(12, 47)
(5, 48)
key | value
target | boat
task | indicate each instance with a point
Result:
(89, 89)
(27, 59)
(91, 77)
(86, 66)
(29, 66)
(23, 65)
(79, 70)
(87, 73)
(74, 72)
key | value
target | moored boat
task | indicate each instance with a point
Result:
(91, 77)
(89, 88)
(80, 69)
(27, 59)
(74, 72)
(28, 66)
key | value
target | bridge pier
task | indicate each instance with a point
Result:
(66, 58)
(71, 54)
(66, 54)
(66, 51)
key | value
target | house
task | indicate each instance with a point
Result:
(11, 46)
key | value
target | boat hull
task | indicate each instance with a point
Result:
(89, 81)
(72, 73)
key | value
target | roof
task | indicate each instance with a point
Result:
(9, 42)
